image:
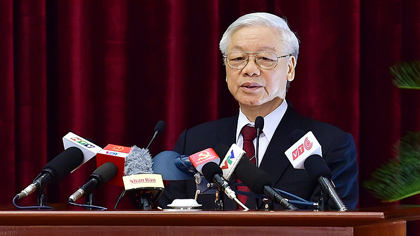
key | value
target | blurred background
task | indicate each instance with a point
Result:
(109, 70)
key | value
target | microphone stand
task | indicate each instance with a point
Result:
(218, 201)
(259, 123)
(89, 200)
(41, 199)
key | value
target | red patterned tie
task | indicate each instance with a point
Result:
(249, 134)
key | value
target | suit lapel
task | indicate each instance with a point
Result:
(227, 134)
(275, 161)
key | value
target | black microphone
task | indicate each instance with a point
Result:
(214, 173)
(54, 170)
(259, 182)
(259, 125)
(160, 127)
(99, 177)
(317, 168)
(295, 135)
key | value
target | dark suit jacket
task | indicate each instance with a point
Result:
(338, 150)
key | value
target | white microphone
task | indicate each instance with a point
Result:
(306, 154)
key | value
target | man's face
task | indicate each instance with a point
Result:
(253, 86)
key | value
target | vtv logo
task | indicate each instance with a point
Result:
(228, 160)
(82, 142)
(306, 145)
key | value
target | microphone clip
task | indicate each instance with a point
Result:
(268, 204)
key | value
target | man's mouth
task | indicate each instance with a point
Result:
(251, 85)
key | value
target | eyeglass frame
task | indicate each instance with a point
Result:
(255, 60)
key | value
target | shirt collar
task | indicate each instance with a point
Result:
(271, 121)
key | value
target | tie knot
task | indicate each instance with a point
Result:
(249, 133)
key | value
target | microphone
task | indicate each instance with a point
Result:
(259, 125)
(99, 177)
(259, 182)
(317, 168)
(115, 154)
(295, 135)
(213, 173)
(143, 187)
(303, 148)
(160, 127)
(206, 162)
(54, 170)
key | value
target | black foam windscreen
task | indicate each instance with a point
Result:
(210, 170)
(105, 172)
(221, 150)
(259, 122)
(160, 126)
(252, 176)
(65, 162)
(315, 166)
(295, 135)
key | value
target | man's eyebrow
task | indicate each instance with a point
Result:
(260, 49)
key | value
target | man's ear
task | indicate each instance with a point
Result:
(291, 68)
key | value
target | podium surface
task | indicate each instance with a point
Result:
(384, 221)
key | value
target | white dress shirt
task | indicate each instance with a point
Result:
(271, 121)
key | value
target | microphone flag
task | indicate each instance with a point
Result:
(306, 146)
(203, 157)
(143, 181)
(115, 154)
(231, 160)
(89, 149)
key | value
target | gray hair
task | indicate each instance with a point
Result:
(289, 39)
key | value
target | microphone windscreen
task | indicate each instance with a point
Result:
(138, 161)
(105, 172)
(64, 163)
(259, 122)
(160, 126)
(252, 176)
(295, 135)
(210, 170)
(316, 167)
(221, 150)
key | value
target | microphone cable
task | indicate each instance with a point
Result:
(30, 207)
(88, 206)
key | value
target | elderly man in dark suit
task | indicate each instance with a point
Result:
(260, 54)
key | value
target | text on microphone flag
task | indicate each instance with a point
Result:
(143, 181)
(306, 145)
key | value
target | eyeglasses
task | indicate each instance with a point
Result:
(265, 60)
